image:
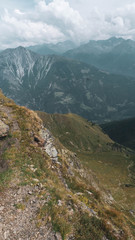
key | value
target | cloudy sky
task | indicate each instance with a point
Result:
(31, 22)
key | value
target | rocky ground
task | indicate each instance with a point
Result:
(19, 205)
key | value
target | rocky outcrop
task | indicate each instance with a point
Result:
(4, 129)
(49, 146)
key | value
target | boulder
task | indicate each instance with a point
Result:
(4, 129)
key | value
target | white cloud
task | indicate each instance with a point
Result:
(124, 20)
(119, 23)
(61, 15)
(53, 21)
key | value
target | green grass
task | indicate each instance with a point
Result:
(91, 228)
(93, 149)
(75, 133)
(5, 177)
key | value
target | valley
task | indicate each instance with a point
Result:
(55, 84)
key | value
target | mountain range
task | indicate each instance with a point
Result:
(48, 49)
(56, 84)
(114, 55)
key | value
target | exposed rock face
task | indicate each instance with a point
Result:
(4, 129)
(49, 144)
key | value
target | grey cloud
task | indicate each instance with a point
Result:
(56, 20)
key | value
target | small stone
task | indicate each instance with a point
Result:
(19, 191)
(58, 163)
(6, 234)
(41, 185)
(69, 196)
(1, 208)
(30, 193)
(79, 194)
(35, 180)
(90, 193)
(93, 212)
(19, 210)
(59, 203)
(71, 211)
(58, 236)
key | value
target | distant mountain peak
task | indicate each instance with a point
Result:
(115, 55)
(50, 48)
(21, 48)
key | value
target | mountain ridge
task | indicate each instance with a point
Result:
(57, 49)
(115, 55)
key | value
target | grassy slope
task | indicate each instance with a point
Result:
(75, 132)
(74, 215)
(110, 161)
